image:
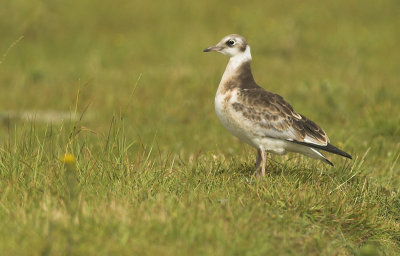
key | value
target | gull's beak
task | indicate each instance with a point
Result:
(213, 49)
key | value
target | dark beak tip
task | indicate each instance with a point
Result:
(206, 50)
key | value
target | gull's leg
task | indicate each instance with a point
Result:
(258, 160)
(264, 159)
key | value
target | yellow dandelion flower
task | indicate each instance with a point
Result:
(68, 159)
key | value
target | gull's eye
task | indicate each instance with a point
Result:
(230, 42)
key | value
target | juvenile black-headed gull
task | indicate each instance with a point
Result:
(260, 118)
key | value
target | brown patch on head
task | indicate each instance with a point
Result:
(242, 42)
(239, 42)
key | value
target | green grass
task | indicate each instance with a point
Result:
(155, 172)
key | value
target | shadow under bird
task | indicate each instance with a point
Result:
(260, 118)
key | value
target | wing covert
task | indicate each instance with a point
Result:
(276, 118)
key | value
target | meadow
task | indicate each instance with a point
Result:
(109, 143)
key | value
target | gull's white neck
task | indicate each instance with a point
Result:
(234, 63)
(238, 59)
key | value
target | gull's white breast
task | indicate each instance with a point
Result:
(228, 119)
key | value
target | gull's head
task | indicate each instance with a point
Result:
(231, 45)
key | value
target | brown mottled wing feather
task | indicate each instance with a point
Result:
(276, 118)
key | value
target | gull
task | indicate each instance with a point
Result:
(263, 119)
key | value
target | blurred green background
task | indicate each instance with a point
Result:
(337, 62)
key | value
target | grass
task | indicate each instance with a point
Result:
(151, 171)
